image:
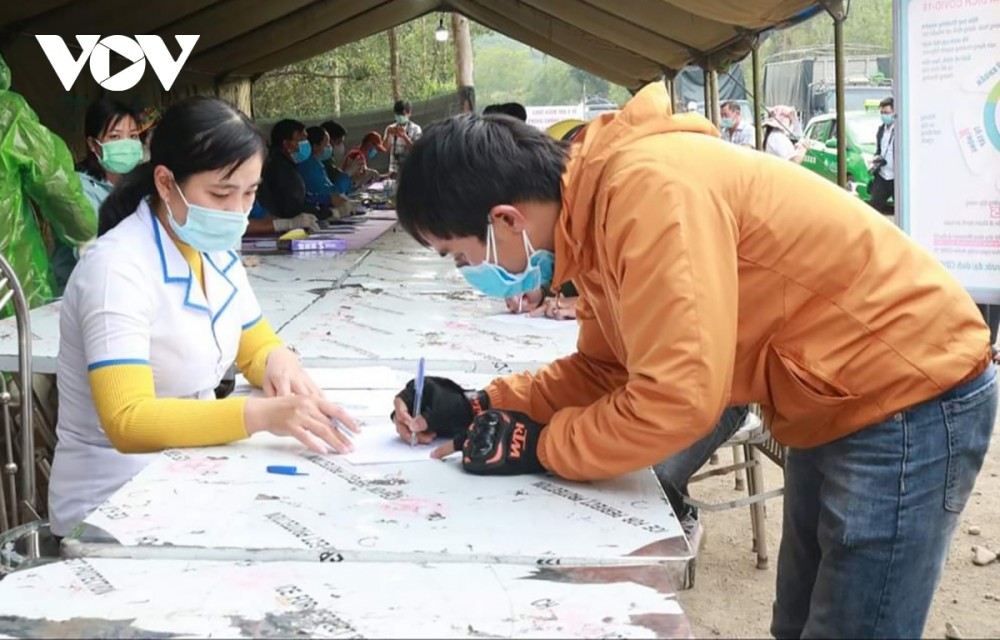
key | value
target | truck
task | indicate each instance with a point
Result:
(805, 79)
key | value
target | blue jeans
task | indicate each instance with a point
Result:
(868, 518)
(674, 472)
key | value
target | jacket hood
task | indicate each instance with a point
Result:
(648, 113)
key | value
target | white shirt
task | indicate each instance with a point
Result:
(742, 134)
(132, 300)
(779, 144)
(888, 171)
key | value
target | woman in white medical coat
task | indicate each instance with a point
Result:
(157, 310)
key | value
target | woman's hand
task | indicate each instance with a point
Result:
(525, 302)
(557, 308)
(311, 420)
(284, 376)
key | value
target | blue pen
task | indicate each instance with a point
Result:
(418, 400)
(284, 470)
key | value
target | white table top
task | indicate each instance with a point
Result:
(299, 271)
(132, 598)
(222, 497)
(353, 326)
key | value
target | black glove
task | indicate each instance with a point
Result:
(448, 408)
(500, 443)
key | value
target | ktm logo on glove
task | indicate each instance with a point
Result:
(517, 440)
(98, 51)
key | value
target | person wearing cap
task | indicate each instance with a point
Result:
(356, 160)
(779, 127)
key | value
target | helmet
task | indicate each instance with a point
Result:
(565, 130)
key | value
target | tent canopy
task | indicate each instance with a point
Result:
(627, 42)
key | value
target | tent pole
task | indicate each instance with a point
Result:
(716, 116)
(708, 93)
(837, 11)
(758, 97)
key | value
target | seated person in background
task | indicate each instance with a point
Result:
(356, 161)
(282, 191)
(512, 109)
(113, 149)
(319, 189)
(337, 135)
(261, 223)
(159, 308)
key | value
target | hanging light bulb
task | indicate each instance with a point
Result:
(441, 33)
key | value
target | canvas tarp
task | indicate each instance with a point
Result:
(629, 43)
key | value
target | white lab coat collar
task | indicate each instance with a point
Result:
(176, 270)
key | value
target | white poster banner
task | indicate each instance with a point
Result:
(948, 101)
(545, 117)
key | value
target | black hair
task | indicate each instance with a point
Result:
(733, 106)
(334, 129)
(284, 130)
(488, 160)
(401, 107)
(195, 135)
(316, 135)
(512, 109)
(887, 102)
(102, 115)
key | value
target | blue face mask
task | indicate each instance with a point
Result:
(494, 281)
(887, 118)
(326, 154)
(208, 230)
(372, 153)
(305, 150)
(726, 123)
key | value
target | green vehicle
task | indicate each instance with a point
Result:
(820, 140)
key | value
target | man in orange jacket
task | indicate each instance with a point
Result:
(713, 276)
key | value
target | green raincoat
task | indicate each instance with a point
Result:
(35, 167)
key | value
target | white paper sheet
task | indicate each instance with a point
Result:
(378, 443)
(531, 323)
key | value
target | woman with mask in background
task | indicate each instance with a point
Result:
(356, 160)
(159, 308)
(337, 135)
(113, 150)
(319, 189)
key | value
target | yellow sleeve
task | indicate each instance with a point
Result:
(257, 342)
(136, 421)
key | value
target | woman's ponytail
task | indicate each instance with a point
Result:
(124, 199)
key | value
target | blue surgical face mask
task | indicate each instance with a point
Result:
(208, 230)
(490, 279)
(887, 118)
(305, 150)
(726, 123)
(326, 154)
(372, 153)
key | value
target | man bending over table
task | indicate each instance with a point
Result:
(702, 289)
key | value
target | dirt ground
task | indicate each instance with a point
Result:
(732, 598)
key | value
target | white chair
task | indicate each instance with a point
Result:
(753, 439)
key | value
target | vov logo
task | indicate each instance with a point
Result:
(98, 51)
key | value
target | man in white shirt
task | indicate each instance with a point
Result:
(883, 183)
(734, 129)
(400, 136)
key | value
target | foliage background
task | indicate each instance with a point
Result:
(505, 70)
